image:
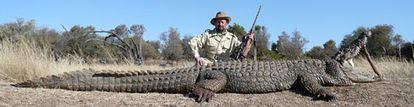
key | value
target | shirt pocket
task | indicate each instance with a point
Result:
(226, 44)
(212, 44)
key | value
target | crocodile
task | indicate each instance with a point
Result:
(204, 81)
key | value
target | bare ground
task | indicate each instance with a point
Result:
(392, 92)
(396, 90)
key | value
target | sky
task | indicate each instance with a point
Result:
(317, 20)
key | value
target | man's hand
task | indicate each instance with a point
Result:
(251, 36)
(248, 42)
(369, 33)
(200, 61)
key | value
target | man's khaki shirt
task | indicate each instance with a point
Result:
(212, 45)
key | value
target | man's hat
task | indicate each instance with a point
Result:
(220, 15)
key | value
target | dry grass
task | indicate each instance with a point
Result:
(388, 66)
(24, 60)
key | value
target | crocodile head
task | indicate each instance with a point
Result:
(345, 74)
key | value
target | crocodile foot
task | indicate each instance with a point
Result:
(202, 94)
(327, 95)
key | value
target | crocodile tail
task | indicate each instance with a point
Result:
(174, 81)
(169, 81)
(56, 81)
(37, 83)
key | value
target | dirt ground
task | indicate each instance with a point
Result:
(392, 92)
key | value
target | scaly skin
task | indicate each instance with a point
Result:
(235, 77)
(173, 81)
(346, 54)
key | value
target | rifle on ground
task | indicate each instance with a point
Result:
(242, 52)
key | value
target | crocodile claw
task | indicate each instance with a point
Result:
(327, 95)
(202, 94)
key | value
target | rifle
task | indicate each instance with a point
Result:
(244, 48)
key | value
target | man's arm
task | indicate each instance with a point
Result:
(196, 43)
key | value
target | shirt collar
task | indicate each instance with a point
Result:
(224, 32)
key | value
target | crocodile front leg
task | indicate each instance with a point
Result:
(310, 83)
(208, 84)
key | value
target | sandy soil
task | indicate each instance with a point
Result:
(392, 92)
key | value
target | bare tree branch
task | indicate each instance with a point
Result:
(113, 34)
(117, 45)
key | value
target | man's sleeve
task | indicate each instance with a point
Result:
(196, 43)
(237, 42)
(235, 46)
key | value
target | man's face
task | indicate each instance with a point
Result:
(221, 24)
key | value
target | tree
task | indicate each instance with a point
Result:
(291, 47)
(138, 32)
(380, 41)
(397, 42)
(27, 31)
(273, 47)
(188, 52)
(151, 49)
(298, 43)
(76, 42)
(329, 48)
(282, 44)
(15, 31)
(155, 44)
(122, 31)
(407, 50)
(172, 48)
(262, 39)
(122, 42)
(378, 44)
(316, 52)
(44, 37)
(237, 30)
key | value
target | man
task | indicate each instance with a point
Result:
(214, 44)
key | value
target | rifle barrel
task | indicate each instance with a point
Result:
(255, 18)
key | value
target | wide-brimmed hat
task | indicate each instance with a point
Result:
(221, 15)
